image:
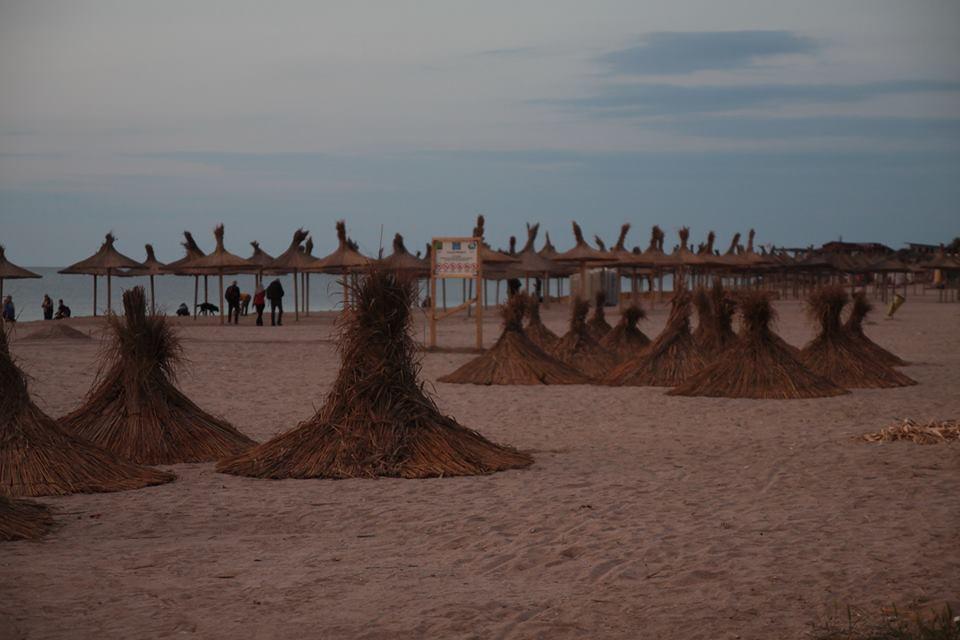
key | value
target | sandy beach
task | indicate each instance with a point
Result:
(644, 515)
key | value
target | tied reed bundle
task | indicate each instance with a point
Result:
(715, 309)
(579, 349)
(135, 410)
(23, 519)
(515, 359)
(757, 364)
(598, 325)
(377, 419)
(667, 361)
(625, 340)
(40, 458)
(835, 356)
(854, 329)
(538, 332)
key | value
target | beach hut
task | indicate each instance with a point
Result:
(757, 364)
(377, 419)
(10, 271)
(107, 261)
(854, 329)
(344, 261)
(578, 348)
(23, 519)
(39, 457)
(180, 267)
(582, 255)
(220, 262)
(535, 330)
(626, 340)
(136, 411)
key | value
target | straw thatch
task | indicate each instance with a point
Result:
(136, 411)
(715, 309)
(39, 458)
(933, 432)
(377, 420)
(515, 359)
(402, 261)
(538, 332)
(579, 349)
(757, 364)
(598, 325)
(345, 257)
(835, 356)
(625, 340)
(10, 271)
(670, 359)
(854, 329)
(107, 260)
(23, 519)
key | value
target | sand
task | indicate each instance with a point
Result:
(644, 516)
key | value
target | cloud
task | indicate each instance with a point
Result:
(666, 53)
(926, 129)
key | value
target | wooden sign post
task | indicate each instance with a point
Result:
(456, 258)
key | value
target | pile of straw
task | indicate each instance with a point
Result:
(598, 325)
(670, 359)
(757, 364)
(515, 359)
(935, 432)
(23, 519)
(854, 329)
(536, 331)
(377, 420)
(715, 309)
(136, 411)
(835, 356)
(40, 458)
(55, 331)
(579, 349)
(626, 340)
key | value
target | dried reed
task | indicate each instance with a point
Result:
(598, 325)
(579, 349)
(854, 328)
(23, 519)
(626, 340)
(538, 332)
(934, 432)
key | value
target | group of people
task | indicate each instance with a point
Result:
(9, 312)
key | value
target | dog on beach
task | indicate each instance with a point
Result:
(208, 308)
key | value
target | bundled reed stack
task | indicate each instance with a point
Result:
(136, 411)
(834, 355)
(715, 311)
(39, 458)
(515, 359)
(536, 331)
(670, 359)
(377, 420)
(757, 364)
(625, 340)
(598, 325)
(23, 519)
(854, 329)
(579, 349)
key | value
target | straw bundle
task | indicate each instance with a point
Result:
(136, 411)
(835, 356)
(536, 331)
(670, 359)
(935, 432)
(757, 364)
(579, 349)
(515, 359)
(626, 340)
(598, 325)
(715, 311)
(854, 329)
(40, 458)
(23, 519)
(377, 420)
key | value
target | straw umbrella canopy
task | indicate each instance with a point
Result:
(583, 254)
(220, 261)
(403, 261)
(260, 258)
(344, 260)
(178, 267)
(10, 271)
(152, 267)
(106, 261)
(294, 261)
(653, 256)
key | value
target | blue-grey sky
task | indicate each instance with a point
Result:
(808, 120)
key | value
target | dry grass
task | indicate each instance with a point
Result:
(136, 411)
(579, 349)
(23, 519)
(377, 419)
(626, 340)
(889, 624)
(598, 325)
(854, 328)
(538, 332)
(933, 432)
(715, 309)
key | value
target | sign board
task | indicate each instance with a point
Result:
(456, 257)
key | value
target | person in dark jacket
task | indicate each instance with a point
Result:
(259, 302)
(63, 311)
(232, 296)
(47, 306)
(275, 296)
(9, 311)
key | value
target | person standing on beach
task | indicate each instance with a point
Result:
(47, 306)
(275, 295)
(9, 311)
(232, 296)
(259, 302)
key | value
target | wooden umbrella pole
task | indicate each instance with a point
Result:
(109, 294)
(220, 273)
(583, 279)
(346, 294)
(94, 295)
(443, 292)
(153, 306)
(296, 300)
(546, 289)
(196, 294)
(206, 289)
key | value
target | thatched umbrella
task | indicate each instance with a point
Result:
(626, 340)
(152, 267)
(536, 331)
(757, 364)
(261, 258)
(582, 254)
(377, 419)
(494, 263)
(670, 359)
(715, 309)
(532, 263)
(136, 411)
(179, 267)
(404, 262)
(10, 271)
(515, 359)
(653, 257)
(684, 257)
(578, 348)
(294, 260)
(23, 519)
(835, 356)
(854, 329)
(946, 265)
(344, 261)
(107, 261)
(38, 457)
(221, 262)
(598, 325)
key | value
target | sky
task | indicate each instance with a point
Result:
(808, 120)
